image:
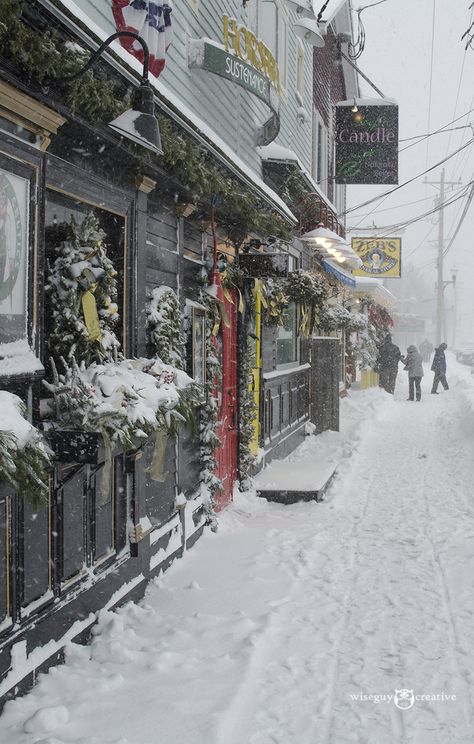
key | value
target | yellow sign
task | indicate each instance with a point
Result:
(381, 257)
(244, 44)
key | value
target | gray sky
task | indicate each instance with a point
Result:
(397, 58)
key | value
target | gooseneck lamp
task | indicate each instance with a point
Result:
(138, 124)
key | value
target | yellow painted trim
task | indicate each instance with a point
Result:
(13, 101)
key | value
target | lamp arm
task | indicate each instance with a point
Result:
(93, 59)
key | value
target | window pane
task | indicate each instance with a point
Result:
(198, 348)
(35, 552)
(72, 523)
(287, 336)
(3, 559)
(103, 512)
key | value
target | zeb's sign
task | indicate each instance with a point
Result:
(366, 144)
(380, 256)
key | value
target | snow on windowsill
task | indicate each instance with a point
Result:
(17, 358)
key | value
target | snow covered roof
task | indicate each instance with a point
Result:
(275, 153)
(372, 287)
(368, 102)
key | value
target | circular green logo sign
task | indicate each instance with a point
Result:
(9, 264)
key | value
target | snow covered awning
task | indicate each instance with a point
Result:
(373, 288)
(343, 276)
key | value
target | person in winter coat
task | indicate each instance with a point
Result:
(426, 349)
(387, 364)
(439, 369)
(414, 366)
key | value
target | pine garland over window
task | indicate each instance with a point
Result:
(165, 338)
(78, 266)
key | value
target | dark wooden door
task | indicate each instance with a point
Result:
(325, 368)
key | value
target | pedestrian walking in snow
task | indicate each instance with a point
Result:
(439, 369)
(414, 366)
(387, 364)
(426, 349)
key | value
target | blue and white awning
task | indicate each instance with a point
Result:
(343, 276)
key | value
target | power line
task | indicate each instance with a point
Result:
(431, 76)
(405, 183)
(463, 217)
(386, 229)
(400, 206)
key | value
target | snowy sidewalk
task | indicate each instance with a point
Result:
(276, 629)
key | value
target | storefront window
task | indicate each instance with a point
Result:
(287, 338)
(199, 347)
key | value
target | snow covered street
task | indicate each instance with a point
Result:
(298, 624)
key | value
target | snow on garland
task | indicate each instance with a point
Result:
(125, 401)
(165, 337)
(303, 287)
(209, 414)
(24, 456)
(82, 292)
(334, 317)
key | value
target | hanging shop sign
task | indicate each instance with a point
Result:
(152, 21)
(366, 143)
(381, 257)
(408, 323)
(264, 265)
(246, 61)
(14, 198)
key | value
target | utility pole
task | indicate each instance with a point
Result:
(440, 319)
(440, 285)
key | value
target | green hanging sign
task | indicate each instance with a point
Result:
(367, 143)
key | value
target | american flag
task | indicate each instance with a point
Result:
(152, 21)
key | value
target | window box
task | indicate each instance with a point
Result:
(74, 445)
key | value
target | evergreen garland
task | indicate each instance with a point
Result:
(23, 464)
(306, 288)
(209, 414)
(165, 338)
(74, 266)
(337, 317)
(125, 401)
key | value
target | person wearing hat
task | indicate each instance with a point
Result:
(387, 364)
(439, 369)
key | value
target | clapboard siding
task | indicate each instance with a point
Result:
(231, 112)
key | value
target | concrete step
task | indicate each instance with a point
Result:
(287, 482)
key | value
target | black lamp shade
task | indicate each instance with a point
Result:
(139, 123)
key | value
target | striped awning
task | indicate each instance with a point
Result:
(343, 276)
